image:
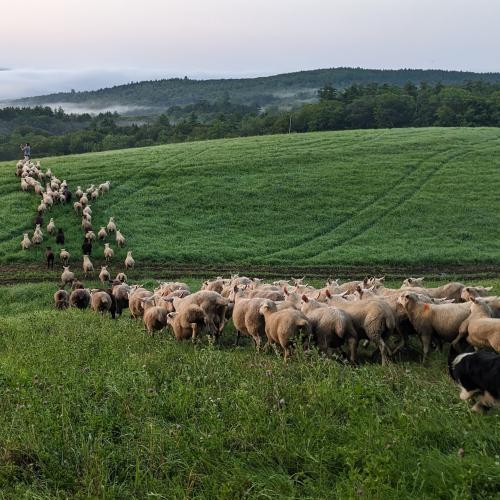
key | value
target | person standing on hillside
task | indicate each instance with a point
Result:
(26, 149)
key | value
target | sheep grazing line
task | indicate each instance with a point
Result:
(334, 318)
(32, 178)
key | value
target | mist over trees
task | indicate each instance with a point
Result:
(475, 103)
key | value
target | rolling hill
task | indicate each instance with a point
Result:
(285, 90)
(406, 197)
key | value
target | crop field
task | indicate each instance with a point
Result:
(407, 197)
(91, 407)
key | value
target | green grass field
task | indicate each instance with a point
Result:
(91, 407)
(95, 408)
(393, 197)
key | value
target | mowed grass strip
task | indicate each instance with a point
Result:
(91, 407)
(405, 196)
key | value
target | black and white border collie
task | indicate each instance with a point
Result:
(478, 374)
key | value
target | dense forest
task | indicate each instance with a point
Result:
(474, 103)
(285, 90)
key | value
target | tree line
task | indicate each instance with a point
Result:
(472, 104)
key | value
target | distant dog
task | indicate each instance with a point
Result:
(478, 374)
(49, 256)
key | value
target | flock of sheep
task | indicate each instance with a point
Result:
(57, 191)
(333, 317)
(282, 313)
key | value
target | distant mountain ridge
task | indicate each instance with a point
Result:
(283, 90)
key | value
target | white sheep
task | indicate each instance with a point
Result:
(64, 256)
(90, 235)
(51, 227)
(104, 274)
(102, 233)
(108, 252)
(67, 276)
(26, 242)
(111, 227)
(87, 265)
(129, 261)
(120, 239)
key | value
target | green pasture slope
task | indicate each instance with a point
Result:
(393, 197)
(94, 408)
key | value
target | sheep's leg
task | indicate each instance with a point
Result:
(383, 352)
(426, 345)
(237, 341)
(402, 344)
(353, 349)
(257, 341)
(287, 353)
(194, 332)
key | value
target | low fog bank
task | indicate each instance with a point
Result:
(18, 83)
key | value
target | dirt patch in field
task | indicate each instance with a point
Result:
(15, 273)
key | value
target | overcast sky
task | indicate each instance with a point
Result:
(61, 44)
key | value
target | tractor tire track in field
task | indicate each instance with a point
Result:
(397, 194)
(329, 230)
(403, 199)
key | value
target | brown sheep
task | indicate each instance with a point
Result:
(61, 299)
(213, 305)
(80, 298)
(120, 293)
(100, 301)
(155, 318)
(187, 323)
(283, 326)
(442, 320)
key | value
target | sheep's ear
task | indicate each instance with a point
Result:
(305, 298)
(472, 298)
(366, 280)
(285, 290)
(328, 294)
(488, 288)
(345, 293)
(319, 295)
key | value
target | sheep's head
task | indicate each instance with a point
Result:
(406, 298)
(480, 304)
(476, 291)
(417, 282)
(171, 318)
(267, 306)
(104, 268)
